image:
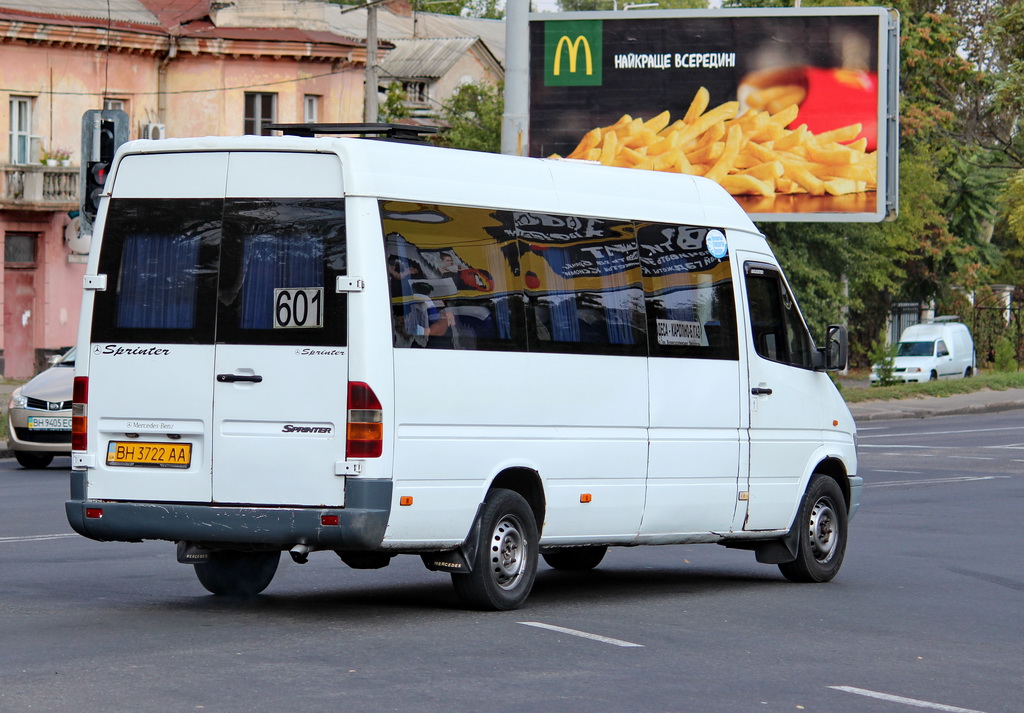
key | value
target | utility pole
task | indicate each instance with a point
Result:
(370, 97)
(515, 134)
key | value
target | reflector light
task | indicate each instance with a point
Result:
(405, 500)
(365, 432)
(79, 414)
(586, 497)
(329, 520)
(94, 513)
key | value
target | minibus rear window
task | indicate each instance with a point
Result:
(240, 271)
(160, 258)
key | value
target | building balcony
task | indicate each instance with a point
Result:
(39, 187)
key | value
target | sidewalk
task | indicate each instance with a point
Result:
(977, 402)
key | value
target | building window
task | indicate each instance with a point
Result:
(21, 130)
(415, 92)
(311, 109)
(260, 110)
(20, 250)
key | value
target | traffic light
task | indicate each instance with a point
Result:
(95, 176)
(102, 133)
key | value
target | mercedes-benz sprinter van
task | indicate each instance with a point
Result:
(375, 348)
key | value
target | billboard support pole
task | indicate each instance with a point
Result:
(515, 138)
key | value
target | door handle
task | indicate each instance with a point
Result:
(761, 391)
(232, 378)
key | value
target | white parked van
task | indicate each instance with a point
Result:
(378, 348)
(938, 349)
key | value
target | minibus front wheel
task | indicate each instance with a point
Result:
(822, 525)
(505, 562)
(237, 574)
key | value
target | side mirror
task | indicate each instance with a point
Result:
(837, 347)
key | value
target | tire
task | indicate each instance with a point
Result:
(822, 523)
(575, 559)
(505, 562)
(32, 461)
(933, 376)
(237, 574)
(968, 373)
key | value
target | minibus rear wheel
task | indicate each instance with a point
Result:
(575, 559)
(822, 529)
(237, 574)
(505, 563)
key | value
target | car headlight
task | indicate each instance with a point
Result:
(914, 369)
(17, 399)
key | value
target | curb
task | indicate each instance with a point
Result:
(932, 411)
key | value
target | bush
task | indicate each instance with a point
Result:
(1005, 355)
(883, 360)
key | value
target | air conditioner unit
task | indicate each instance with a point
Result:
(154, 131)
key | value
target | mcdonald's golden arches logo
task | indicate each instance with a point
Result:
(572, 53)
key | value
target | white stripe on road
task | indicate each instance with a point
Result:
(933, 481)
(33, 538)
(583, 634)
(941, 433)
(906, 701)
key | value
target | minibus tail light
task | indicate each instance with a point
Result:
(365, 423)
(80, 414)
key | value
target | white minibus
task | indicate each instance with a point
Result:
(380, 348)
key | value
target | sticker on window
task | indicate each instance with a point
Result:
(718, 246)
(675, 332)
(298, 307)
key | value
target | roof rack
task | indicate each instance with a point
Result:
(390, 132)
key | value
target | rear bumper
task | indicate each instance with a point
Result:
(361, 523)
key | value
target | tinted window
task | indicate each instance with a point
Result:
(453, 277)
(777, 327)
(279, 268)
(204, 271)
(689, 292)
(160, 258)
(583, 284)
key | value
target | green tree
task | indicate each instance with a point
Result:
(473, 118)
(393, 109)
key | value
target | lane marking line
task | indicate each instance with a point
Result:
(934, 481)
(583, 634)
(906, 701)
(941, 433)
(34, 538)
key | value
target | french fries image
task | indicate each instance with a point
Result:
(754, 153)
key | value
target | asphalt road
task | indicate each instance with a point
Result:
(926, 614)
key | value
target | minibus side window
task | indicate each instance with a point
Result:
(453, 278)
(583, 284)
(160, 258)
(689, 293)
(778, 329)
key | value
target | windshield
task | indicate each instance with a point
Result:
(68, 359)
(915, 349)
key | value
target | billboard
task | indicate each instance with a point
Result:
(793, 111)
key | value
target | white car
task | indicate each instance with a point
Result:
(39, 415)
(940, 349)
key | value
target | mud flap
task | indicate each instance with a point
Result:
(780, 551)
(459, 560)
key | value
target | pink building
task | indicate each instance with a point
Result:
(177, 68)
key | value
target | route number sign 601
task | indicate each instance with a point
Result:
(298, 307)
